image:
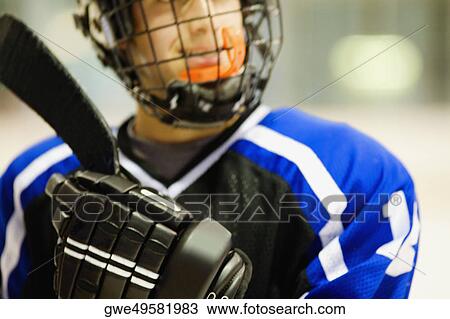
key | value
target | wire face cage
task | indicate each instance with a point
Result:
(189, 62)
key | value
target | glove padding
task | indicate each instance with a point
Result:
(120, 240)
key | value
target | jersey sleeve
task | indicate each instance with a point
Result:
(22, 182)
(369, 249)
(357, 198)
(375, 255)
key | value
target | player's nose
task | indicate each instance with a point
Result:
(200, 29)
(199, 12)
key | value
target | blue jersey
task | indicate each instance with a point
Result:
(357, 215)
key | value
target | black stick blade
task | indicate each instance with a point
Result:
(32, 72)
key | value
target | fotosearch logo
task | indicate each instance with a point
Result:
(235, 208)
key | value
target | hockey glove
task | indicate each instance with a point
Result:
(120, 240)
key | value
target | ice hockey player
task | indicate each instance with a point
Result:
(322, 210)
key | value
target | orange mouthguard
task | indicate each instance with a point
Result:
(236, 56)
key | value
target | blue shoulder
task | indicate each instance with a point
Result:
(355, 254)
(323, 159)
(356, 161)
(41, 160)
(26, 177)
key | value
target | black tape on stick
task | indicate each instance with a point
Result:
(32, 72)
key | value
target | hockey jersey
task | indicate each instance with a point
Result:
(322, 210)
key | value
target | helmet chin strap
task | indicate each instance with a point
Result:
(195, 106)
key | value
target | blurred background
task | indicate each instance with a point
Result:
(400, 95)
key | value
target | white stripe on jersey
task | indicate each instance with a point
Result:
(178, 187)
(315, 173)
(332, 260)
(403, 263)
(323, 186)
(15, 229)
(399, 222)
(399, 250)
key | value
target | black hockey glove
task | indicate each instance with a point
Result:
(120, 240)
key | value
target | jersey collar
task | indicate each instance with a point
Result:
(177, 187)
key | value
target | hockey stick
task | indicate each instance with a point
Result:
(32, 72)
